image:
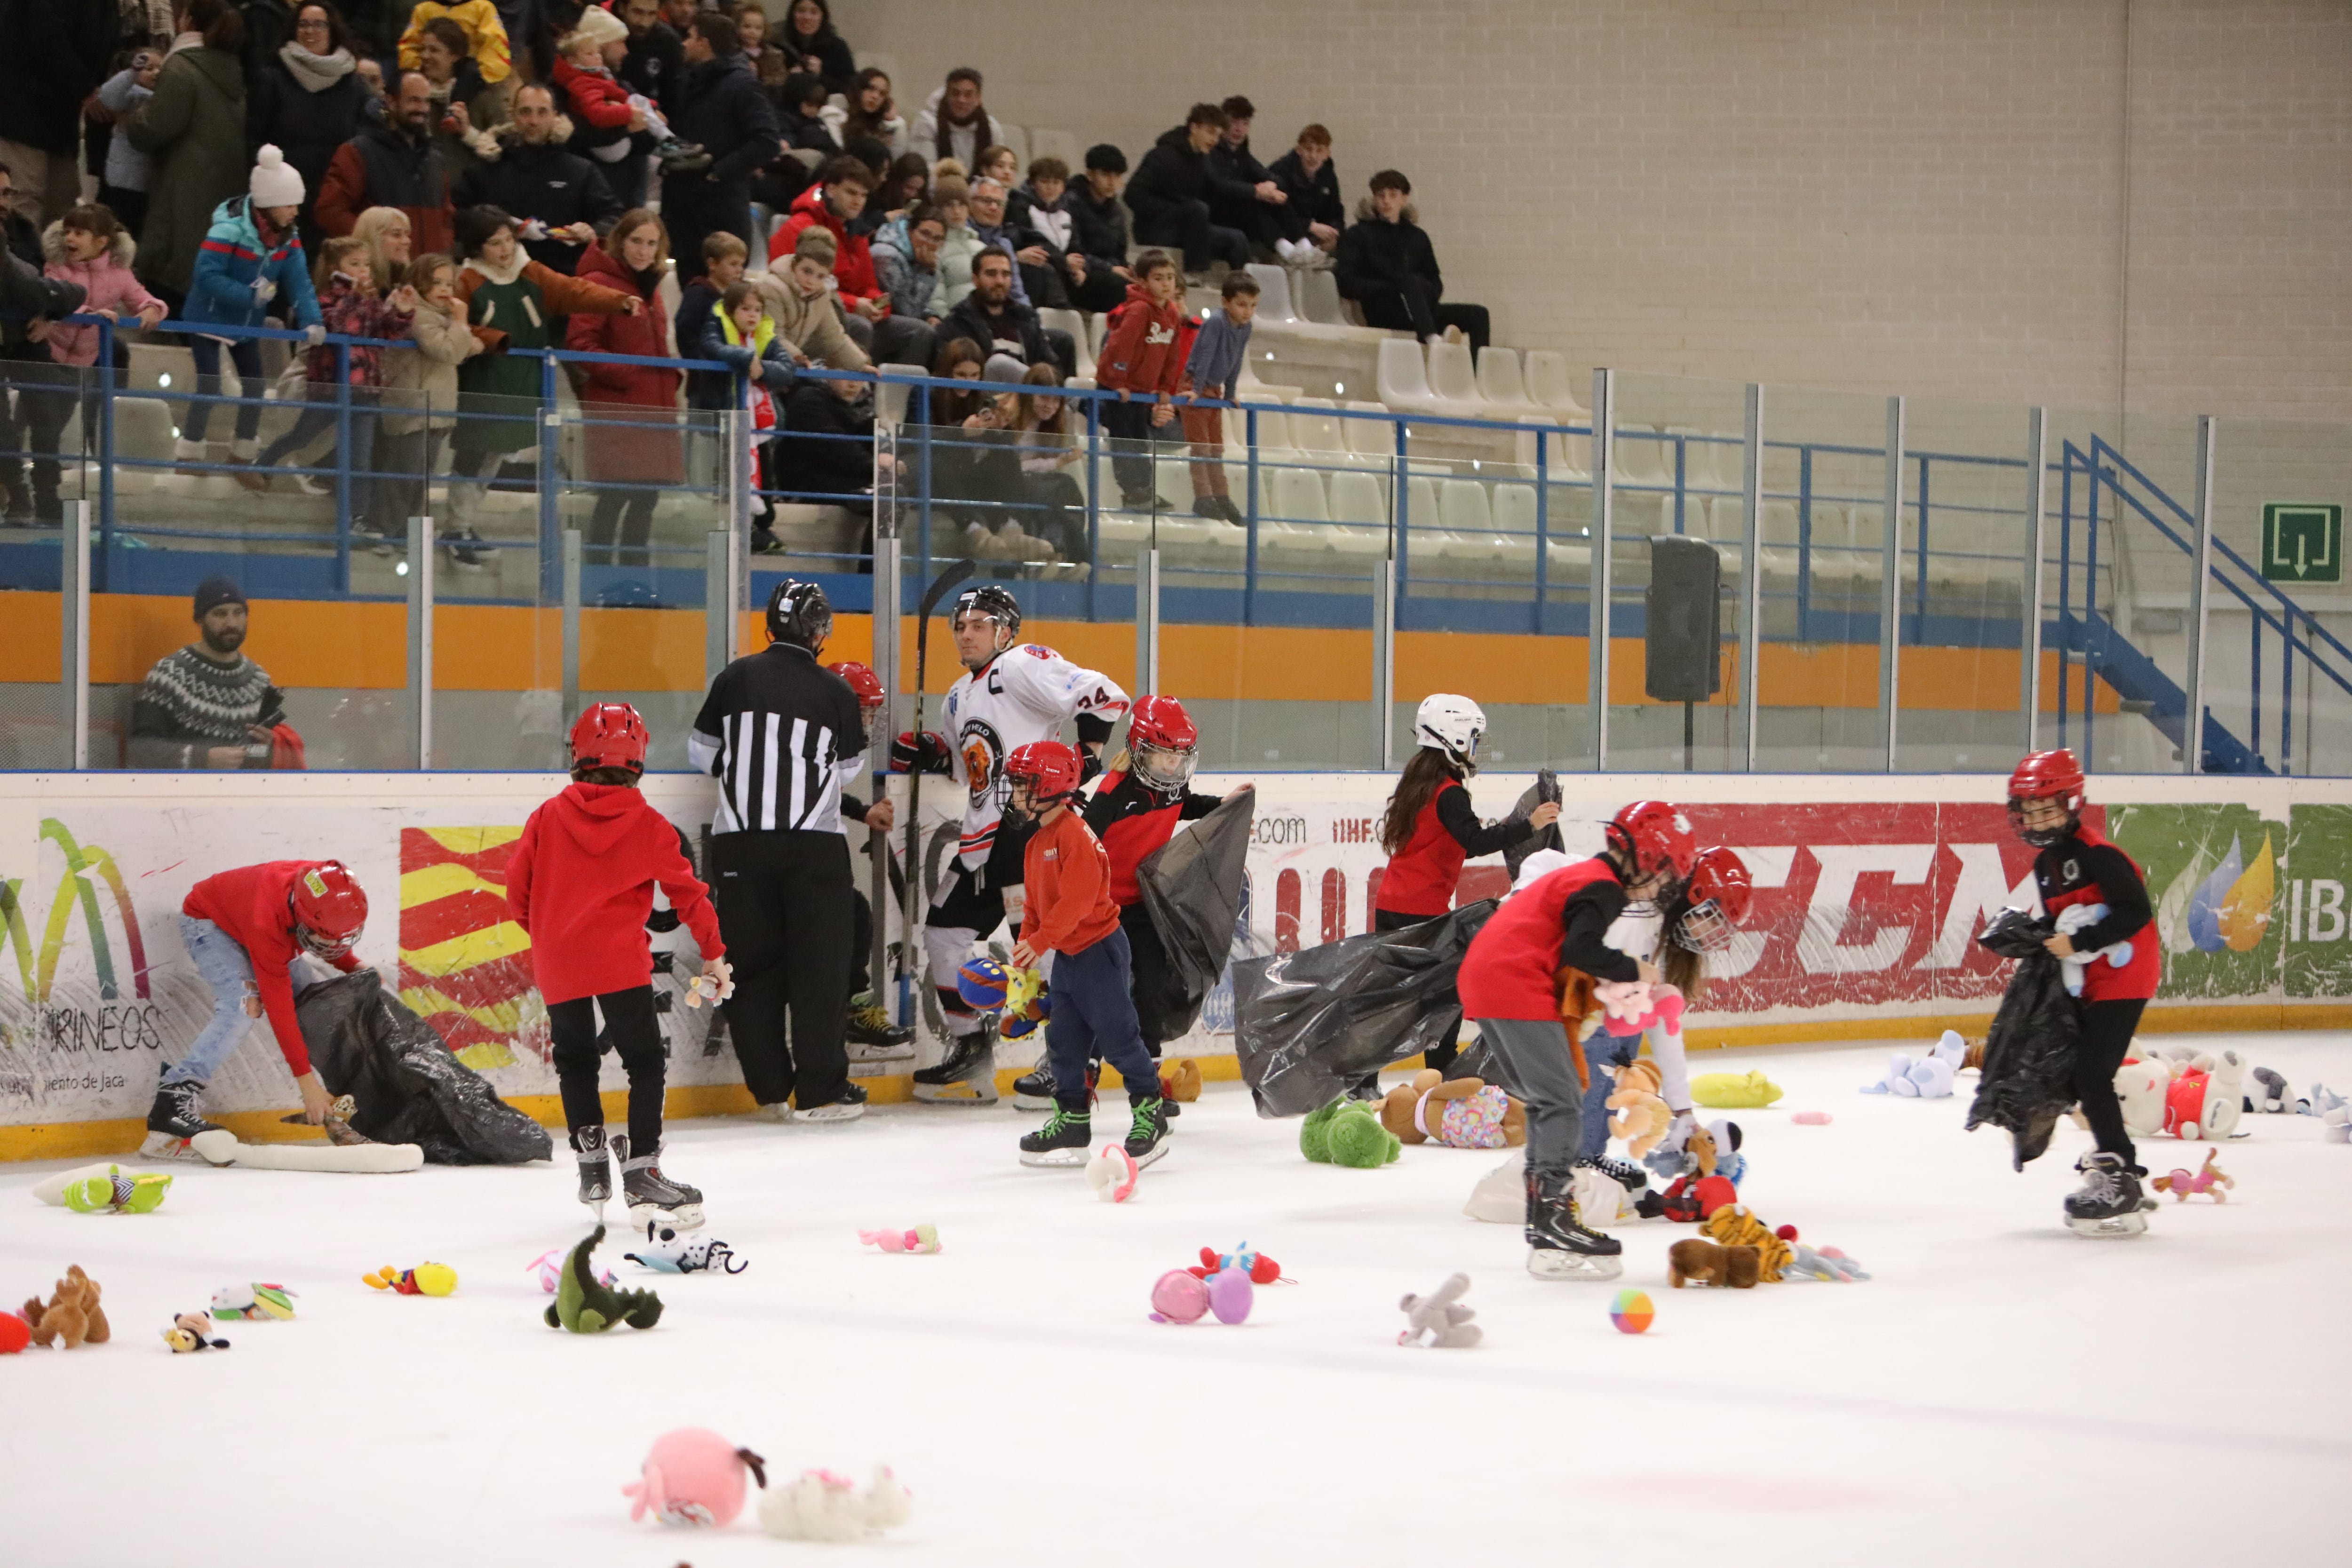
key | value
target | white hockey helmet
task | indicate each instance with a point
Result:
(1453, 725)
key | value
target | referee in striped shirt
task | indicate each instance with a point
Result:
(782, 734)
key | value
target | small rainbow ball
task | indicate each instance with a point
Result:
(1632, 1312)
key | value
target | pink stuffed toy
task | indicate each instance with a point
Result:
(922, 1238)
(693, 1476)
(1636, 1006)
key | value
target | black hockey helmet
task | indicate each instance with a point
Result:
(798, 613)
(995, 601)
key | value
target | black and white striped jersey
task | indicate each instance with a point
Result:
(781, 735)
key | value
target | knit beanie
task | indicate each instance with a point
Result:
(275, 183)
(598, 26)
(215, 592)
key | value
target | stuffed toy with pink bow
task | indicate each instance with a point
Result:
(1458, 1113)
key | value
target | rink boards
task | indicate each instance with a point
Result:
(1868, 890)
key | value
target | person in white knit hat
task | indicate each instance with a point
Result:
(251, 258)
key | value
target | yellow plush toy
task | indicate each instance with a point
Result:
(1646, 1117)
(1734, 1091)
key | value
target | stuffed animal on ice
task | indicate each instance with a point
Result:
(2272, 1097)
(1261, 1269)
(2073, 918)
(923, 1238)
(2181, 1094)
(1458, 1113)
(116, 1192)
(1698, 1262)
(2207, 1179)
(549, 1267)
(667, 1250)
(1645, 1118)
(1923, 1078)
(1019, 994)
(425, 1279)
(1734, 1091)
(1440, 1318)
(72, 1316)
(823, 1506)
(1828, 1265)
(190, 1332)
(585, 1307)
(693, 1477)
(1346, 1132)
(253, 1302)
(1736, 1226)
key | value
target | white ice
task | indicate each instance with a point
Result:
(2000, 1389)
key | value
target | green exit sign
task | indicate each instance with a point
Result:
(2303, 541)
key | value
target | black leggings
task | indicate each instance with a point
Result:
(623, 517)
(2099, 1049)
(1437, 1057)
(632, 1030)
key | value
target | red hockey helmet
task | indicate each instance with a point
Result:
(863, 682)
(1048, 770)
(2046, 775)
(1164, 743)
(329, 911)
(1656, 836)
(610, 735)
(1720, 894)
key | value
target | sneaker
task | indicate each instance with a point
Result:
(1146, 1137)
(1061, 1142)
(465, 552)
(678, 157)
(847, 1107)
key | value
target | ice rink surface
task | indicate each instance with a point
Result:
(2000, 1390)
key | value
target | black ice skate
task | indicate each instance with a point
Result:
(1561, 1246)
(653, 1197)
(848, 1107)
(1147, 1140)
(967, 1076)
(2110, 1202)
(1061, 1142)
(595, 1169)
(1625, 1173)
(1033, 1090)
(174, 1119)
(873, 1037)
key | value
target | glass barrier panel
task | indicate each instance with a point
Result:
(48, 445)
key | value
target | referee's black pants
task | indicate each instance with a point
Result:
(786, 907)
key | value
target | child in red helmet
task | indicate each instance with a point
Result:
(581, 880)
(2096, 897)
(1510, 983)
(244, 929)
(1068, 912)
(871, 1036)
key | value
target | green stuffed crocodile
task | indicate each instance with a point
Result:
(586, 1307)
(1346, 1132)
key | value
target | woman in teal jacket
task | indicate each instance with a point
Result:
(250, 256)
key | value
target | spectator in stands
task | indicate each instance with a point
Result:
(801, 115)
(1210, 372)
(746, 340)
(724, 258)
(809, 39)
(679, 13)
(1043, 209)
(462, 103)
(1386, 264)
(193, 129)
(482, 35)
(955, 125)
(395, 165)
(420, 401)
(654, 62)
(629, 262)
(770, 66)
(612, 122)
(23, 286)
(89, 249)
(878, 329)
(953, 199)
(997, 163)
(800, 302)
(1098, 218)
(53, 55)
(906, 264)
(826, 450)
(122, 188)
(988, 203)
(870, 115)
(391, 242)
(994, 316)
(1243, 193)
(1142, 361)
(720, 110)
(1308, 176)
(207, 705)
(526, 171)
(251, 256)
(975, 472)
(1170, 195)
(349, 306)
(1044, 438)
(306, 100)
(905, 184)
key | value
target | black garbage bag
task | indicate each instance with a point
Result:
(1545, 788)
(2029, 1059)
(1308, 1025)
(408, 1087)
(1192, 888)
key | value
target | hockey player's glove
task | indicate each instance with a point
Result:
(925, 753)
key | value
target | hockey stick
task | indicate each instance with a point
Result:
(942, 586)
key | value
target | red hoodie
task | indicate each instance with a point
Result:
(253, 905)
(852, 260)
(1142, 353)
(581, 881)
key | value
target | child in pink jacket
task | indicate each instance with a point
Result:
(86, 246)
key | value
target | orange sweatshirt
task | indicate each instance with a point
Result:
(1068, 907)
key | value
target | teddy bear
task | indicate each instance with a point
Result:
(1460, 1113)
(72, 1315)
(1707, 1263)
(1646, 1117)
(2178, 1093)
(1346, 1132)
(1441, 1317)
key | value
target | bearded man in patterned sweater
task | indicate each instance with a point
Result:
(207, 705)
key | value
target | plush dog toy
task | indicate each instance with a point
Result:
(1346, 1132)
(1646, 1117)
(1459, 1114)
(1736, 1225)
(670, 1251)
(585, 1307)
(253, 1301)
(1734, 1091)
(1697, 1262)
(1441, 1316)
(187, 1334)
(823, 1506)
(2272, 1097)
(72, 1316)
(693, 1477)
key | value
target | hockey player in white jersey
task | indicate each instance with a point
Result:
(1011, 693)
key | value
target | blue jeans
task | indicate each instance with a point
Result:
(221, 959)
(1094, 1015)
(1603, 1050)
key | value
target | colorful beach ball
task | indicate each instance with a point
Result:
(1632, 1311)
(980, 982)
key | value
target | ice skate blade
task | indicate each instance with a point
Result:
(836, 1112)
(970, 1092)
(686, 1217)
(881, 1053)
(2133, 1224)
(164, 1146)
(1055, 1159)
(1152, 1156)
(1548, 1263)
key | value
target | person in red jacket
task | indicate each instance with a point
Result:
(1510, 983)
(1067, 913)
(1142, 360)
(244, 929)
(633, 448)
(2078, 870)
(579, 882)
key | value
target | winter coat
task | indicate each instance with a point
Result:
(193, 131)
(237, 273)
(957, 253)
(721, 108)
(1314, 196)
(127, 168)
(891, 133)
(597, 102)
(698, 336)
(809, 133)
(421, 382)
(1375, 259)
(914, 289)
(834, 62)
(542, 180)
(970, 321)
(486, 106)
(24, 287)
(1099, 229)
(963, 141)
(53, 54)
(1236, 166)
(107, 283)
(811, 325)
(628, 394)
(656, 64)
(492, 52)
(816, 410)
(1142, 353)
(777, 372)
(306, 126)
(382, 167)
(1050, 226)
(581, 881)
(348, 313)
(1171, 175)
(852, 260)
(514, 307)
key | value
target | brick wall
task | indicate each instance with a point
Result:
(1925, 196)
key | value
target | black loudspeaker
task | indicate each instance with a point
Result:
(1683, 636)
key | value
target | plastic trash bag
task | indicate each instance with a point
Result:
(1308, 1025)
(1545, 788)
(2029, 1059)
(408, 1087)
(1192, 889)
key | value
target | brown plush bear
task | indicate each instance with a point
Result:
(1705, 1263)
(1646, 1117)
(1700, 1147)
(73, 1314)
(1442, 1118)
